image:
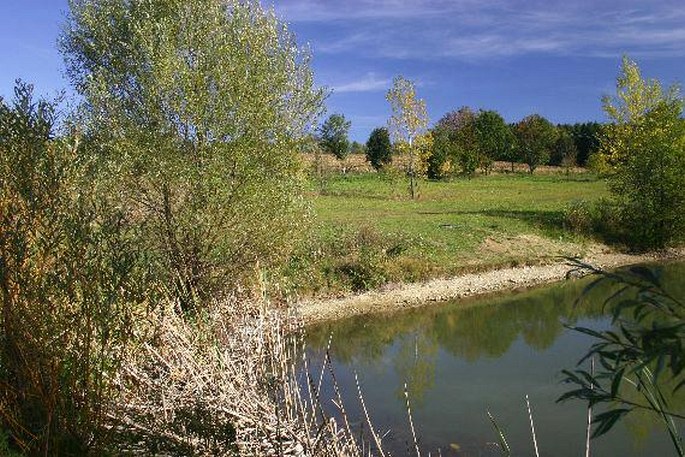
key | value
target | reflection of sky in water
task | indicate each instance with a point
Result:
(462, 359)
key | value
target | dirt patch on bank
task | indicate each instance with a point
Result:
(469, 285)
(526, 246)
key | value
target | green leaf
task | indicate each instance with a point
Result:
(605, 421)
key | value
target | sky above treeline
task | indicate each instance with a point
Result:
(553, 57)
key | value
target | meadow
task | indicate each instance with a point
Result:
(368, 232)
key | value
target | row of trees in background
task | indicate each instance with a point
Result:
(464, 141)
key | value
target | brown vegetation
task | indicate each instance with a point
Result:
(357, 163)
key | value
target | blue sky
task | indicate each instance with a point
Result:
(555, 58)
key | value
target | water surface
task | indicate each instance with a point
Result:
(463, 358)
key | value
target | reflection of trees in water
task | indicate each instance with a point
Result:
(536, 316)
(359, 339)
(473, 329)
(641, 422)
(415, 363)
(469, 329)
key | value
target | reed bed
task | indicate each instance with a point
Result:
(233, 380)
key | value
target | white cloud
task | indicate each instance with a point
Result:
(336, 10)
(466, 29)
(368, 83)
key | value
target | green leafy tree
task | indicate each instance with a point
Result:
(564, 152)
(645, 145)
(199, 108)
(535, 139)
(444, 153)
(357, 148)
(511, 154)
(586, 137)
(457, 145)
(333, 136)
(495, 139)
(379, 149)
(408, 123)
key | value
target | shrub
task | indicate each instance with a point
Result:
(347, 259)
(578, 218)
(600, 219)
(72, 284)
(599, 164)
(645, 146)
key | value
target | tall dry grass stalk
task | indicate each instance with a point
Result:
(231, 381)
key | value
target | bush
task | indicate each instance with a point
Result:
(645, 146)
(578, 218)
(598, 163)
(347, 259)
(600, 219)
(72, 285)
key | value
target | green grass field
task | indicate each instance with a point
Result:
(369, 232)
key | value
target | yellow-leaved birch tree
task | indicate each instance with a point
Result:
(408, 122)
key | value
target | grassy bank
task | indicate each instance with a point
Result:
(368, 232)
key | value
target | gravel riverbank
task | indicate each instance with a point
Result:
(421, 294)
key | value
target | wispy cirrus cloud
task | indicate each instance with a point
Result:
(369, 83)
(466, 29)
(330, 11)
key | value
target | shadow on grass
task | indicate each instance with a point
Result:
(548, 220)
(602, 227)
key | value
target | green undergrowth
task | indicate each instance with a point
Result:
(369, 233)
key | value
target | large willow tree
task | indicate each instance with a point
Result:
(198, 108)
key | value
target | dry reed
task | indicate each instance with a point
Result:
(232, 381)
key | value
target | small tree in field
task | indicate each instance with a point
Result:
(495, 139)
(379, 149)
(645, 146)
(444, 154)
(333, 136)
(462, 144)
(536, 137)
(408, 122)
